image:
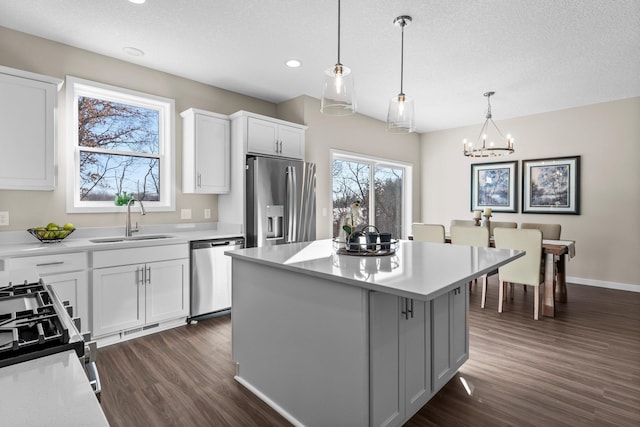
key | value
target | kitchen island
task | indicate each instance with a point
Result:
(328, 339)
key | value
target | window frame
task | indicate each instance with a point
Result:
(407, 188)
(166, 143)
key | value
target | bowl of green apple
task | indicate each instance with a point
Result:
(52, 232)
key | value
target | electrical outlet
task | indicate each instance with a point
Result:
(4, 218)
(207, 213)
(185, 213)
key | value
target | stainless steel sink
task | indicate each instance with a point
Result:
(131, 239)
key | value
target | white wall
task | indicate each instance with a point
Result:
(607, 136)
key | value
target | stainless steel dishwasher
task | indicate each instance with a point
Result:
(211, 276)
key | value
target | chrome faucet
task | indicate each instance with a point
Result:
(128, 231)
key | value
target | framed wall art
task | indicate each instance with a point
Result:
(493, 185)
(551, 186)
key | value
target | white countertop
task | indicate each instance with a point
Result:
(21, 243)
(49, 391)
(417, 270)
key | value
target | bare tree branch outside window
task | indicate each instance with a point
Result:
(352, 180)
(119, 150)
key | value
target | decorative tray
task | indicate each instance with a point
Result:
(364, 249)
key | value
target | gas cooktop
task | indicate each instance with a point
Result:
(33, 323)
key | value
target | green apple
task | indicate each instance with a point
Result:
(68, 226)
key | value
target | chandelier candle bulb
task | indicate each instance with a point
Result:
(476, 214)
(487, 212)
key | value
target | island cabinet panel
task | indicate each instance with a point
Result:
(450, 339)
(301, 344)
(400, 358)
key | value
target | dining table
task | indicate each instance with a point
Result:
(555, 286)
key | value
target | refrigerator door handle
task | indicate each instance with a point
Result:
(291, 204)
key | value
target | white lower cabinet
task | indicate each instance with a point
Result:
(450, 339)
(400, 358)
(66, 273)
(139, 294)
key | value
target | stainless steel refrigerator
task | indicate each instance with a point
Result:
(281, 201)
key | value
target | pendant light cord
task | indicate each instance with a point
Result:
(338, 32)
(402, 24)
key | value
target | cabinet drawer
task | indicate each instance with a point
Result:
(49, 264)
(117, 257)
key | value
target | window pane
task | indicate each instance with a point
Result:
(115, 126)
(104, 175)
(388, 199)
(350, 183)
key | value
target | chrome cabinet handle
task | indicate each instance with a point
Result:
(139, 277)
(410, 310)
(199, 179)
(149, 275)
(50, 263)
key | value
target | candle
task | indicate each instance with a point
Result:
(487, 212)
(476, 214)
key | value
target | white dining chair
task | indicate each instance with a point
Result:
(524, 270)
(472, 236)
(549, 231)
(501, 224)
(463, 222)
(427, 232)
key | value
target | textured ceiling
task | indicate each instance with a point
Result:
(537, 55)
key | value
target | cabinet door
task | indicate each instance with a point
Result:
(459, 326)
(27, 109)
(386, 382)
(73, 287)
(167, 290)
(117, 299)
(417, 344)
(292, 142)
(212, 155)
(440, 340)
(262, 136)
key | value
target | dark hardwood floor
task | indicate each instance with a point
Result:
(581, 368)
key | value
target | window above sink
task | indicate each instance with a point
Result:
(121, 141)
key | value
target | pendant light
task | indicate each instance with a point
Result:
(498, 144)
(401, 118)
(338, 97)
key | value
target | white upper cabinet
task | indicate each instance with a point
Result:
(28, 103)
(275, 138)
(206, 155)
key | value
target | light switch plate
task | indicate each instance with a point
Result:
(4, 218)
(207, 213)
(185, 213)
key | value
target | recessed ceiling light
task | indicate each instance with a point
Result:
(293, 63)
(133, 51)
(137, 1)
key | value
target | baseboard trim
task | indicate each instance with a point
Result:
(279, 409)
(604, 284)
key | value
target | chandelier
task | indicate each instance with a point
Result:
(488, 146)
(400, 116)
(338, 97)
